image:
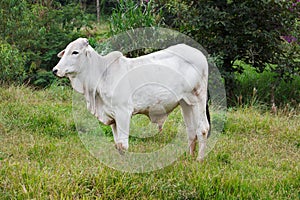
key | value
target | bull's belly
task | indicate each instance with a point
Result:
(154, 100)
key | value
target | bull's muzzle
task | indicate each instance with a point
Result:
(54, 71)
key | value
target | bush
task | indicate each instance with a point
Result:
(256, 88)
(39, 31)
(129, 15)
(11, 64)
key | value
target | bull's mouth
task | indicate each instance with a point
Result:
(70, 74)
(64, 74)
(59, 75)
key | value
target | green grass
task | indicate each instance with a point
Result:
(42, 157)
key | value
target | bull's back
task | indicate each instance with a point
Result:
(180, 57)
(180, 51)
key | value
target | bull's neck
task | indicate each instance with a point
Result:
(94, 69)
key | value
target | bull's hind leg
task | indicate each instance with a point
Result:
(188, 116)
(202, 128)
(197, 126)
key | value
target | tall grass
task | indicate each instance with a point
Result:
(130, 15)
(42, 157)
(256, 88)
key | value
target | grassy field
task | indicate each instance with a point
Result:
(42, 157)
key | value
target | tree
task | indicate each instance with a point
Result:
(245, 30)
(98, 10)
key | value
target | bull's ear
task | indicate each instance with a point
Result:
(60, 54)
(88, 51)
(86, 41)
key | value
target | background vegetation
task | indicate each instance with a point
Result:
(262, 34)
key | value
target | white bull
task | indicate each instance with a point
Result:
(116, 87)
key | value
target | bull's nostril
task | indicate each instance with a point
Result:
(54, 71)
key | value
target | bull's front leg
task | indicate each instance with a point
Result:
(114, 131)
(202, 145)
(122, 129)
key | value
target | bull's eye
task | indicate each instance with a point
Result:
(75, 52)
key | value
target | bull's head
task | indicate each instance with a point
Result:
(72, 58)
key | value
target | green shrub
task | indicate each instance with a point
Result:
(43, 78)
(129, 15)
(256, 88)
(40, 31)
(11, 64)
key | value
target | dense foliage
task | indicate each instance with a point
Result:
(39, 31)
(235, 30)
(250, 31)
(129, 15)
(264, 34)
(11, 64)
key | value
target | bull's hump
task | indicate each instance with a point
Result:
(113, 56)
(187, 53)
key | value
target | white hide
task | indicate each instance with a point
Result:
(116, 87)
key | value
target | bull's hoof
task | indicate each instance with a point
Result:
(160, 128)
(120, 148)
(200, 159)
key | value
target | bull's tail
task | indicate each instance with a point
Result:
(208, 117)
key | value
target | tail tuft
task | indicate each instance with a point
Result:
(208, 118)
